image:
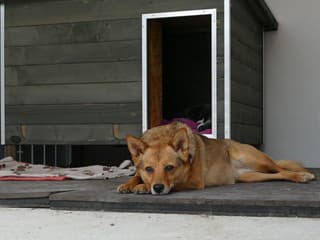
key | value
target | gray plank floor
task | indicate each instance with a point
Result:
(276, 198)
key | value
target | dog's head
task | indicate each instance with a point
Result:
(163, 163)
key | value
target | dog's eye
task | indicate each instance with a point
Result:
(149, 169)
(168, 168)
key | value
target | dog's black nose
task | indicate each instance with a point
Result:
(158, 188)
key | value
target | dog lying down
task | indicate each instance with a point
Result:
(171, 157)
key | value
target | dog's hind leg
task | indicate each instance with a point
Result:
(246, 157)
(252, 165)
(301, 177)
(291, 166)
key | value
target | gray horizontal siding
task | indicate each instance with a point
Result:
(74, 53)
(74, 94)
(249, 134)
(73, 133)
(24, 13)
(73, 67)
(241, 10)
(247, 56)
(241, 114)
(240, 31)
(242, 93)
(246, 74)
(100, 31)
(74, 114)
(74, 73)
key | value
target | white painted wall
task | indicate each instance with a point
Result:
(292, 82)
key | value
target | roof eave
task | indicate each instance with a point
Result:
(264, 14)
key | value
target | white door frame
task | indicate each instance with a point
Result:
(2, 80)
(145, 18)
(227, 69)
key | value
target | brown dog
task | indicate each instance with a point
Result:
(171, 157)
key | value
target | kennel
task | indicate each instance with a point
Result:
(90, 72)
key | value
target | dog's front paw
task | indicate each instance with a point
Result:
(142, 189)
(125, 188)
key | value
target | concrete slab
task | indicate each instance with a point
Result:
(39, 224)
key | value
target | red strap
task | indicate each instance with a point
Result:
(49, 178)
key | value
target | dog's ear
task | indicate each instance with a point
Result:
(136, 148)
(180, 144)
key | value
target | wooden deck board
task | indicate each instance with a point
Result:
(248, 199)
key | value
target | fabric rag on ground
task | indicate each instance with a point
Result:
(12, 170)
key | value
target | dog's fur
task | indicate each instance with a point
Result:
(171, 157)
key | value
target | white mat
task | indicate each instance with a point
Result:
(11, 168)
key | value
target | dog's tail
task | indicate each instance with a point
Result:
(291, 166)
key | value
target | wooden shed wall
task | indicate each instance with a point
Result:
(246, 74)
(73, 67)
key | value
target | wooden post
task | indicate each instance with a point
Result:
(10, 150)
(155, 73)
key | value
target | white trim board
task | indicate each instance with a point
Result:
(227, 70)
(2, 80)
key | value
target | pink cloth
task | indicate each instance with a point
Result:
(193, 125)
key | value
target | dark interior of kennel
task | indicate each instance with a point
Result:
(179, 67)
(71, 155)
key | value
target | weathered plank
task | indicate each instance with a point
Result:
(249, 134)
(246, 46)
(240, 9)
(241, 93)
(246, 95)
(72, 134)
(74, 94)
(74, 53)
(240, 31)
(73, 114)
(23, 13)
(246, 55)
(245, 75)
(98, 31)
(124, 71)
(243, 114)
